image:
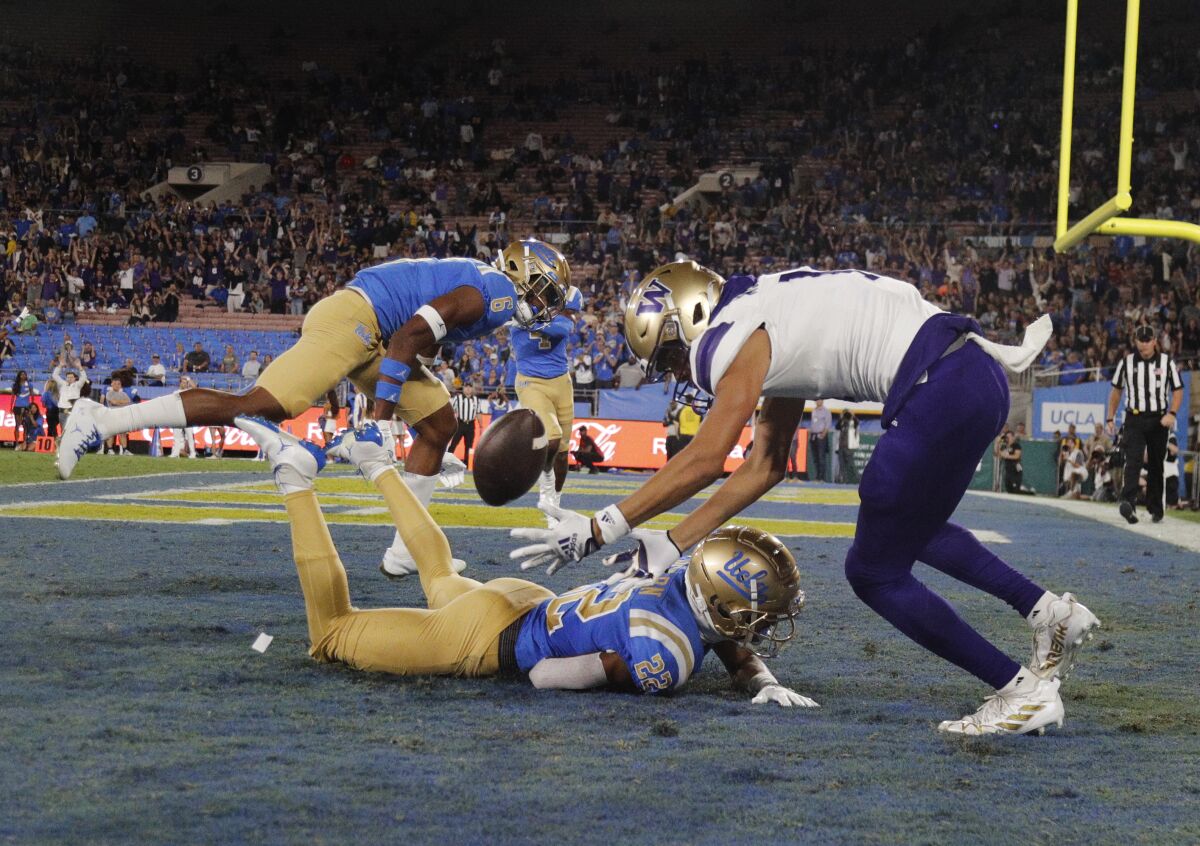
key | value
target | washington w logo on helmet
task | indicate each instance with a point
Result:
(752, 586)
(654, 298)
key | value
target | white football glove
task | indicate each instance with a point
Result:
(782, 696)
(652, 557)
(389, 436)
(453, 471)
(569, 540)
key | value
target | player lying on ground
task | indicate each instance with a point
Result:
(372, 332)
(738, 595)
(809, 334)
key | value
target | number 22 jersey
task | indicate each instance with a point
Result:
(650, 626)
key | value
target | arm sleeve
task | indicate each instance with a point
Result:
(579, 672)
(1176, 382)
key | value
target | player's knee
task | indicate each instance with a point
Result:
(438, 427)
(259, 402)
(869, 572)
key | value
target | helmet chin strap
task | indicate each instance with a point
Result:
(708, 632)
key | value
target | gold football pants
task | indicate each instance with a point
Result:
(340, 339)
(457, 635)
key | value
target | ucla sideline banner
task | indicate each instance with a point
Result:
(1054, 409)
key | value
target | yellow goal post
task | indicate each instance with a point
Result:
(1105, 220)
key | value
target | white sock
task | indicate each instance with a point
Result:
(1023, 682)
(422, 488)
(1041, 609)
(546, 485)
(165, 412)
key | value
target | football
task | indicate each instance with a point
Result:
(510, 455)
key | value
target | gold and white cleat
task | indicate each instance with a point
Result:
(1013, 712)
(1058, 637)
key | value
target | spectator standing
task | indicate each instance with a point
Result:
(70, 388)
(585, 374)
(116, 397)
(671, 422)
(1171, 473)
(50, 403)
(818, 440)
(498, 403)
(197, 361)
(630, 374)
(689, 425)
(467, 409)
(1146, 377)
(1010, 461)
(184, 440)
(1075, 471)
(847, 443)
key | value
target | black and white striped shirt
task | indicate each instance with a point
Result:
(466, 408)
(1148, 383)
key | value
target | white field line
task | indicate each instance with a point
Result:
(1182, 533)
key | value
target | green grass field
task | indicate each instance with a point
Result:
(19, 467)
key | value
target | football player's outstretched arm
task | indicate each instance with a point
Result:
(461, 307)
(750, 674)
(702, 461)
(763, 470)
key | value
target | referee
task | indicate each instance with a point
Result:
(466, 408)
(1146, 377)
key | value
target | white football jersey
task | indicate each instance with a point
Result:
(837, 334)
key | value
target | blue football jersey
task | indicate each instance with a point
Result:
(542, 353)
(650, 627)
(398, 288)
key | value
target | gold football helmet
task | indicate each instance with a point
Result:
(743, 585)
(540, 274)
(667, 313)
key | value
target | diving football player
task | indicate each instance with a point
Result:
(372, 332)
(857, 336)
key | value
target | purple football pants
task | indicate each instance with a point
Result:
(915, 479)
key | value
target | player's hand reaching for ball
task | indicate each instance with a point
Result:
(570, 540)
(653, 555)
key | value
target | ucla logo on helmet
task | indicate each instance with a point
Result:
(546, 255)
(654, 298)
(364, 334)
(735, 573)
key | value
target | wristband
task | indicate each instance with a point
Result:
(612, 523)
(395, 370)
(387, 392)
(436, 324)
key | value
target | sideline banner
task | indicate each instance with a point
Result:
(633, 444)
(204, 437)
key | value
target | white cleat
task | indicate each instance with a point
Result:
(1057, 638)
(82, 434)
(398, 566)
(363, 447)
(1013, 712)
(294, 462)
